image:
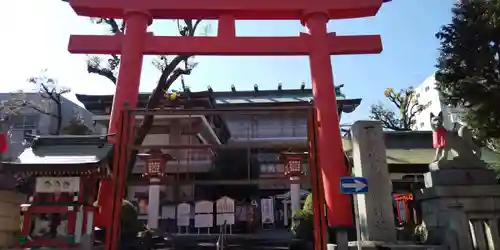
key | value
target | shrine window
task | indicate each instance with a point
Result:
(25, 121)
(268, 157)
(299, 126)
(268, 168)
(254, 127)
(280, 168)
(268, 127)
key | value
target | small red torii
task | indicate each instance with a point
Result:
(318, 44)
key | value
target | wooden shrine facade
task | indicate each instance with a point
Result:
(261, 134)
(65, 171)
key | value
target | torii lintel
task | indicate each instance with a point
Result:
(239, 9)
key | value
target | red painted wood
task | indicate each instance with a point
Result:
(26, 223)
(231, 46)
(127, 89)
(331, 158)
(48, 209)
(239, 9)
(320, 232)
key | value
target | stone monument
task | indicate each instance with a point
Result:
(461, 202)
(375, 207)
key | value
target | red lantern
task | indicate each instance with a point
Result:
(403, 199)
(293, 164)
(156, 162)
(3, 143)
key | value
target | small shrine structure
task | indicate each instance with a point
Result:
(64, 171)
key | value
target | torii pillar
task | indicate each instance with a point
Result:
(126, 93)
(331, 154)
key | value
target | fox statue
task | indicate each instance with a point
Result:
(460, 143)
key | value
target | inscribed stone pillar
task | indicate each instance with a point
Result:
(295, 195)
(153, 205)
(374, 208)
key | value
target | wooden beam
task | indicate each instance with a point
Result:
(165, 129)
(237, 46)
(239, 9)
(225, 182)
(277, 147)
(243, 111)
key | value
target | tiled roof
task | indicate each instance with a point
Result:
(264, 99)
(62, 154)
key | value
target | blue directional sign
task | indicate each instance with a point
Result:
(353, 185)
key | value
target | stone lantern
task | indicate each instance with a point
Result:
(156, 162)
(293, 164)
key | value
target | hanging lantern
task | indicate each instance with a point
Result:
(293, 164)
(156, 162)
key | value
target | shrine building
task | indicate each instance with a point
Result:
(259, 138)
(263, 136)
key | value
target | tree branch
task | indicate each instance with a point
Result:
(405, 103)
(93, 68)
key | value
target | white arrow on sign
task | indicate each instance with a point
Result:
(358, 185)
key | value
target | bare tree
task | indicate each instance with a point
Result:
(50, 93)
(171, 68)
(407, 107)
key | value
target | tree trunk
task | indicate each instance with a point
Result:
(59, 119)
(155, 98)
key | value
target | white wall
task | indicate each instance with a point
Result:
(428, 95)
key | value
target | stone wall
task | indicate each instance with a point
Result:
(10, 219)
(462, 217)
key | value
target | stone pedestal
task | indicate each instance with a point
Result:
(457, 177)
(462, 217)
(295, 195)
(154, 205)
(461, 205)
(374, 208)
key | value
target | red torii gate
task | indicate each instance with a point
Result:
(318, 44)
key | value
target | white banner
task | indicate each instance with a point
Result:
(267, 211)
(203, 220)
(168, 212)
(183, 214)
(228, 218)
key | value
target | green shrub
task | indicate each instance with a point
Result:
(303, 225)
(130, 224)
(308, 203)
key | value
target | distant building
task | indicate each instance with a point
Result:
(427, 94)
(30, 121)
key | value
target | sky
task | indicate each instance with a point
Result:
(35, 36)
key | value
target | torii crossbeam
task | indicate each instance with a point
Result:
(318, 44)
(221, 46)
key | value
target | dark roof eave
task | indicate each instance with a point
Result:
(211, 94)
(19, 167)
(214, 94)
